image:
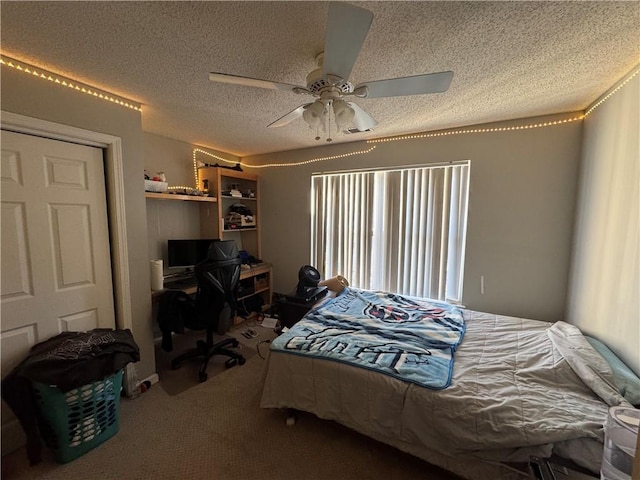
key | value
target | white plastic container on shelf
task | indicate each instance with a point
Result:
(155, 186)
(620, 436)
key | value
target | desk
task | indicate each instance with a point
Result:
(256, 278)
(155, 294)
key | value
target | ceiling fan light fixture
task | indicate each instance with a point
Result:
(314, 114)
(345, 33)
(343, 113)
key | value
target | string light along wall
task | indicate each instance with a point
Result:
(197, 163)
(106, 96)
(66, 82)
(476, 130)
(608, 95)
(577, 117)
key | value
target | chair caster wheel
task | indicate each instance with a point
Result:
(202, 376)
(242, 361)
(231, 362)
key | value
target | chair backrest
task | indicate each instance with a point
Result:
(218, 278)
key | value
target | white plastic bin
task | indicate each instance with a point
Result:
(620, 434)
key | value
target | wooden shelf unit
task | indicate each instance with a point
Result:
(256, 273)
(212, 226)
(184, 198)
(219, 180)
(239, 198)
(262, 281)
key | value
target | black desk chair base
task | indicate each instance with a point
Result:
(206, 350)
(218, 278)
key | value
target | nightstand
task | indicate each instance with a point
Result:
(291, 312)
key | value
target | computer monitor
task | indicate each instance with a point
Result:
(188, 253)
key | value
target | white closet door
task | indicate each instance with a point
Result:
(56, 262)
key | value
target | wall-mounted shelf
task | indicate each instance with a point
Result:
(240, 199)
(265, 289)
(172, 196)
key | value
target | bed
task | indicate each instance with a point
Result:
(516, 387)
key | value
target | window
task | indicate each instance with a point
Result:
(400, 230)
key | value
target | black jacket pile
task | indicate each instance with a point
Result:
(68, 360)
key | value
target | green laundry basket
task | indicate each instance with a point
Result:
(79, 420)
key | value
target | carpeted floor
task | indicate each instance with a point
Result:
(185, 377)
(217, 430)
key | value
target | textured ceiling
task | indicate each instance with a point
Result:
(510, 59)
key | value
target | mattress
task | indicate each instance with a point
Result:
(519, 387)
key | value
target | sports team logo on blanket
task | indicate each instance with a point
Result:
(408, 338)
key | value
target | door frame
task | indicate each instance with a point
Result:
(114, 170)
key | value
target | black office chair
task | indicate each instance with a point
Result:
(218, 278)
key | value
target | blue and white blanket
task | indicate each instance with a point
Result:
(406, 337)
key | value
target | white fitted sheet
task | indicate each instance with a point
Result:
(514, 393)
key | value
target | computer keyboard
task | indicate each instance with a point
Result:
(182, 282)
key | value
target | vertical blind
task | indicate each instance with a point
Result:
(400, 230)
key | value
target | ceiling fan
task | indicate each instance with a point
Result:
(347, 28)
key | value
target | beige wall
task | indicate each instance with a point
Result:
(173, 157)
(605, 282)
(173, 219)
(36, 98)
(521, 210)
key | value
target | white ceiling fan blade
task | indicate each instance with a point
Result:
(416, 85)
(254, 82)
(289, 117)
(362, 120)
(347, 27)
